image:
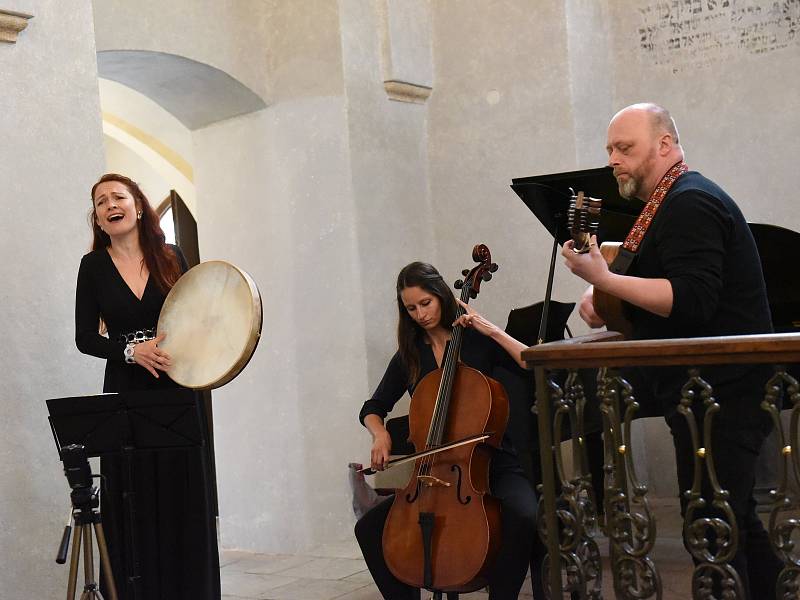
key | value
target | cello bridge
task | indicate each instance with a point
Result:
(430, 481)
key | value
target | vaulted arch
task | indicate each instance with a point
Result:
(196, 93)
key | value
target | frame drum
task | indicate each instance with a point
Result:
(212, 321)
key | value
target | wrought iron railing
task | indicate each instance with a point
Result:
(567, 503)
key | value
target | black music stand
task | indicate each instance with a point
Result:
(122, 424)
(547, 196)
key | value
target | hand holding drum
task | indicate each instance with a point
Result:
(211, 320)
(151, 357)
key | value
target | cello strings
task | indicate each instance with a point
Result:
(439, 418)
(439, 410)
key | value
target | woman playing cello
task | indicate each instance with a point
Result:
(427, 314)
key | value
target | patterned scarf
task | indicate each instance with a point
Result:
(649, 211)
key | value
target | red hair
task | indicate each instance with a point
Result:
(159, 258)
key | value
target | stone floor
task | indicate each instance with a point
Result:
(338, 571)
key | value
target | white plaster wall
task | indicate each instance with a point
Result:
(140, 111)
(732, 87)
(52, 151)
(389, 172)
(501, 107)
(147, 143)
(253, 41)
(227, 34)
(276, 192)
(286, 428)
(591, 80)
(323, 199)
(407, 46)
(121, 159)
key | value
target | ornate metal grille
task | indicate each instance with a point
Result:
(711, 535)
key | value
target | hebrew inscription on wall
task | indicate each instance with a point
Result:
(695, 33)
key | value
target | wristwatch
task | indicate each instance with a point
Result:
(128, 352)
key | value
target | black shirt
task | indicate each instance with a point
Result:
(699, 241)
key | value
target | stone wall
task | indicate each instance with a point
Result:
(52, 152)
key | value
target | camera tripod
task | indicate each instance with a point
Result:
(86, 516)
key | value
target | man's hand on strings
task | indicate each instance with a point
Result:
(589, 266)
(472, 319)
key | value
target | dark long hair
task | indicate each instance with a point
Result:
(425, 276)
(159, 258)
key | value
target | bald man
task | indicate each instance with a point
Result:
(695, 271)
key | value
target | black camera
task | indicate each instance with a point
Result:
(76, 466)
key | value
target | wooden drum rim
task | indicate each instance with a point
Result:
(254, 335)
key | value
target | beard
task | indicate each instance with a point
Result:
(629, 187)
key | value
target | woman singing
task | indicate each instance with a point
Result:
(170, 551)
(427, 313)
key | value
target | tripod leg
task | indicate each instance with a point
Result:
(105, 561)
(88, 560)
(73, 562)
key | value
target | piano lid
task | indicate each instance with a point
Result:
(777, 247)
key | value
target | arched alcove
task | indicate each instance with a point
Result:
(196, 93)
(151, 102)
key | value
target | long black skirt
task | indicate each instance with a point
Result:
(166, 545)
(162, 540)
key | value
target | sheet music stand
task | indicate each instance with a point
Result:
(123, 424)
(547, 197)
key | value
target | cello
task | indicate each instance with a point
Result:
(443, 529)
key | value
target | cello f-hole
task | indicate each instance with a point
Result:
(411, 499)
(466, 500)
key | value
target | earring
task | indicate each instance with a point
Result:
(139, 215)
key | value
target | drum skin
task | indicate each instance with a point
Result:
(211, 319)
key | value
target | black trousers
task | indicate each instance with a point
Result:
(735, 446)
(518, 505)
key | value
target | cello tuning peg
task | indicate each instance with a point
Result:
(465, 272)
(486, 276)
(473, 294)
(458, 284)
(493, 268)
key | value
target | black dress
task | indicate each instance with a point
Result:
(174, 528)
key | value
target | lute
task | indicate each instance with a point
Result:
(583, 220)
